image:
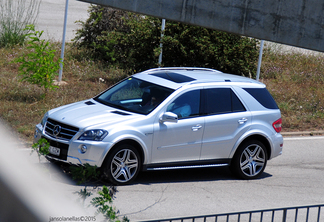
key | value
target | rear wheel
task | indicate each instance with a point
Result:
(122, 165)
(249, 160)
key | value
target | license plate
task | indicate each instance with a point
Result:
(55, 151)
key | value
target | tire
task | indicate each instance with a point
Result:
(249, 160)
(122, 165)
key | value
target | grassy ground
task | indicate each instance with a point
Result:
(295, 80)
(21, 103)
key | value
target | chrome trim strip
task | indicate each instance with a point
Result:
(187, 167)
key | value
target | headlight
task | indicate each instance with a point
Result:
(95, 135)
(44, 119)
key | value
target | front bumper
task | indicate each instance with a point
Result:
(71, 152)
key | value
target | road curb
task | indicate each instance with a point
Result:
(303, 133)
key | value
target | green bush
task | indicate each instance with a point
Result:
(39, 66)
(101, 19)
(132, 42)
(14, 16)
(186, 45)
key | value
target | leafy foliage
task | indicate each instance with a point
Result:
(132, 42)
(101, 19)
(186, 45)
(102, 201)
(39, 66)
(41, 147)
(84, 173)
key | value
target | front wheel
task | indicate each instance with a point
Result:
(249, 160)
(122, 165)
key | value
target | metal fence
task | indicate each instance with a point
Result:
(311, 213)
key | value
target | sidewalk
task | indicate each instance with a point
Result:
(303, 133)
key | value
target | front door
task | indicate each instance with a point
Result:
(179, 141)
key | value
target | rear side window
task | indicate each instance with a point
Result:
(263, 96)
(219, 101)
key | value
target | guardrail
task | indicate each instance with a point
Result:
(311, 213)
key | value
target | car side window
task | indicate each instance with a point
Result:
(220, 101)
(263, 96)
(186, 105)
(237, 105)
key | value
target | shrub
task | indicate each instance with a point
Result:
(132, 42)
(39, 66)
(186, 45)
(102, 19)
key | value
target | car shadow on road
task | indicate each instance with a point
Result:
(58, 170)
(188, 175)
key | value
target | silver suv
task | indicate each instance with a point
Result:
(169, 118)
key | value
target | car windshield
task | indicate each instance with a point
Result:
(134, 95)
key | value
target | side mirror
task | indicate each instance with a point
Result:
(169, 117)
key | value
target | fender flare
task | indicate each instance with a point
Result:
(253, 134)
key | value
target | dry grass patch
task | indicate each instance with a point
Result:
(296, 82)
(22, 105)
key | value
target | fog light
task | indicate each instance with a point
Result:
(83, 148)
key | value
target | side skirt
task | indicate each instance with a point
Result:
(187, 165)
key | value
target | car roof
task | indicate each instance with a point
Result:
(176, 77)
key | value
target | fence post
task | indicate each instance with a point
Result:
(272, 212)
(319, 214)
(307, 214)
(284, 215)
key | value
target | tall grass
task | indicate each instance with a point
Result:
(14, 16)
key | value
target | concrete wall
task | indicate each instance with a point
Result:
(292, 22)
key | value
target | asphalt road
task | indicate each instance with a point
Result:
(293, 179)
(51, 18)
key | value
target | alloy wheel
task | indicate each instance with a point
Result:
(253, 160)
(124, 165)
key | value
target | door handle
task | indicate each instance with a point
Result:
(242, 121)
(196, 128)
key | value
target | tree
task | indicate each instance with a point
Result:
(186, 45)
(132, 42)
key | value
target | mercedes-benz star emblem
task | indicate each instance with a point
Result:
(57, 130)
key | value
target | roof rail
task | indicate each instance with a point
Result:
(182, 68)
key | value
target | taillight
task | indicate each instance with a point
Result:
(277, 125)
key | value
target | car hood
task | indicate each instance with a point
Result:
(90, 114)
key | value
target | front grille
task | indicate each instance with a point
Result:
(59, 130)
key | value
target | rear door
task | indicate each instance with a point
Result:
(226, 119)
